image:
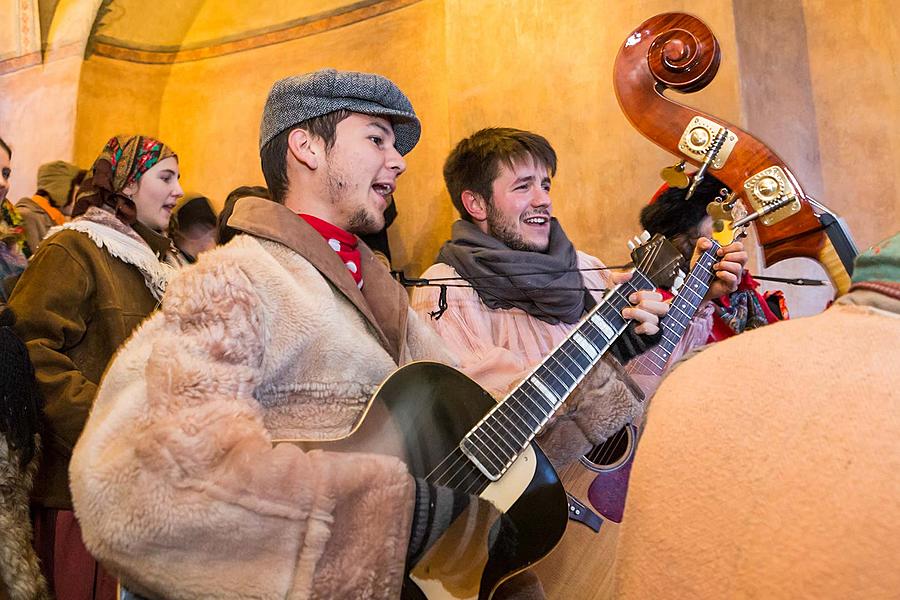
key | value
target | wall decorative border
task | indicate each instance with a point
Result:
(312, 25)
(28, 38)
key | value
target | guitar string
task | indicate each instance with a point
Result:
(464, 460)
(461, 462)
(608, 448)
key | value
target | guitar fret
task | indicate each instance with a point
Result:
(578, 356)
(562, 363)
(552, 379)
(501, 411)
(544, 390)
(589, 349)
(499, 424)
(683, 307)
(485, 459)
(679, 309)
(603, 326)
(534, 403)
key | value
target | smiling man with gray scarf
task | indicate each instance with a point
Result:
(530, 287)
(528, 292)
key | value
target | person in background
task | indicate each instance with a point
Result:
(52, 203)
(783, 482)
(14, 250)
(683, 221)
(224, 233)
(89, 286)
(193, 228)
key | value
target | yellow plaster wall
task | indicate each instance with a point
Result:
(533, 64)
(211, 109)
(854, 51)
(547, 67)
(118, 97)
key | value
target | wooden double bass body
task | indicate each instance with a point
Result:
(679, 52)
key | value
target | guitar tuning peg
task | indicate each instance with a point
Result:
(631, 245)
(730, 200)
(644, 237)
(679, 280)
(674, 176)
(718, 211)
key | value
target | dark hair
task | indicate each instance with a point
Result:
(6, 147)
(224, 233)
(273, 156)
(474, 163)
(677, 218)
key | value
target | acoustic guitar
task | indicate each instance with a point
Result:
(581, 566)
(455, 434)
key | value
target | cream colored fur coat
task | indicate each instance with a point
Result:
(176, 481)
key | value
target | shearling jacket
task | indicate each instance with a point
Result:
(185, 481)
(75, 305)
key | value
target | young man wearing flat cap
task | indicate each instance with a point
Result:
(184, 481)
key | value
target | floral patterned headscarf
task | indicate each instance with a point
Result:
(124, 161)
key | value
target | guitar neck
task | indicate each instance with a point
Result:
(498, 439)
(681, 311)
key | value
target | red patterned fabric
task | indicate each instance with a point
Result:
(343, 242)
(721, 329)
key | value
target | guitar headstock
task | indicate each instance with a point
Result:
(658, 259)
(729, 217)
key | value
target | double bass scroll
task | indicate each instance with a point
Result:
(679, 52)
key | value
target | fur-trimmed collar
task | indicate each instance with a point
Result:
(125, 244)
(382, 301)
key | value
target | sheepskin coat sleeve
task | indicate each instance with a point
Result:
(177, 483)
(499, 348)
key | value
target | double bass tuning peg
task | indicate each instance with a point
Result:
(674, 176)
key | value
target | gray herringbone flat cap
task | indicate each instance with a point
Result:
(296, 99)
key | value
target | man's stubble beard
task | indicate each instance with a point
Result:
(500, 229)
(361, 221)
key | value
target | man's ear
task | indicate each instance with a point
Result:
(303, 147)
(475, 205)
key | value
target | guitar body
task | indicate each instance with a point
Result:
(432, 407)
(582, 565)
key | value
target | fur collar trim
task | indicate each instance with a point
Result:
(122, 242)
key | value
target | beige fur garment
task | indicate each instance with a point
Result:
(177, 484)
(770, 466)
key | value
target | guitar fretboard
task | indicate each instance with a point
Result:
(498, 439)
(681, 311)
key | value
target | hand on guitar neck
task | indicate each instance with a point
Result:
(728, 270)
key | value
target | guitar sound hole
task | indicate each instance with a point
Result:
(612, 453)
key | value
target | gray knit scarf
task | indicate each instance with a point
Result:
(503, 277)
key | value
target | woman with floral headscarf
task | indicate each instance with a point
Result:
(90, 284)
